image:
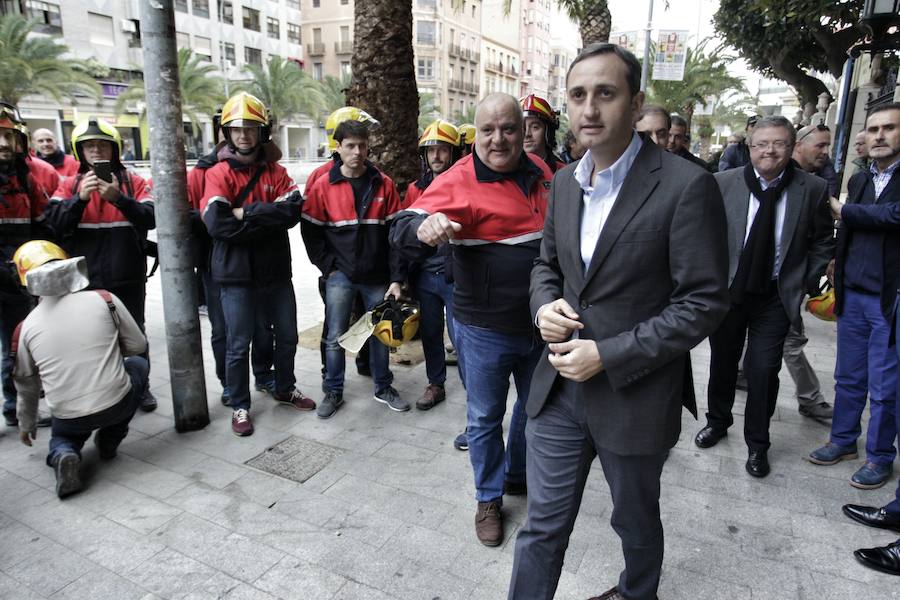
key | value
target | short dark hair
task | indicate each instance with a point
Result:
(883, 107)
(775, 121)
(679, 121)
(351, 129)
(633, 75)
(656, 109)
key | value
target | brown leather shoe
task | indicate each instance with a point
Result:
(434, 395)
(489, 524)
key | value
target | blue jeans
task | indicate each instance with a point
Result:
(67, 436)
(339, 294)
(434, 295)
(894, 507)
(491, 357)
(246, 308)
(14, 307)
(216, 322)
(865, 367)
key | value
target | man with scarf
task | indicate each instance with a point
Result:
(780, 240)
(50, 152)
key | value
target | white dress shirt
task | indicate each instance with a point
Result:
(780, 204)
(599, 197)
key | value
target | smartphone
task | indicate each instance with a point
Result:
(103, 170)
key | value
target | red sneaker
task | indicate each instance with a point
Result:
(240, 422)
(295, 398)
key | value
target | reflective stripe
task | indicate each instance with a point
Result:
(150, 199)
(285, 195)
(345, 222)
(418, 211)
(221, 199)
(15, 220)
(519, 239)
(105, 225)
(311, 220)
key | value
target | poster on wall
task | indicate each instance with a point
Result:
(625, 39)
(671, 54)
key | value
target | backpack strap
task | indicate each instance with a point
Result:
(248, 189)
(107, 297)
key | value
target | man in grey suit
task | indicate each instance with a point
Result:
(631, 276)
(780, 239)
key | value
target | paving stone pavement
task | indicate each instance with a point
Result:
(391, 517)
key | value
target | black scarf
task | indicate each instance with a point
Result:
(754, 272)
(56, 159)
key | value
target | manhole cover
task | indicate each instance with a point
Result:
(295, 458)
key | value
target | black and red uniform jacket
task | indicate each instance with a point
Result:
(22, 219)
(62, 163)
(254, 249)
(46, 176)
(502, 218)
(337, 237)
(111, 236)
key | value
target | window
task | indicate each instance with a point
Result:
(201, 8)
(317, 71)
(344, 2)
(101, 29)
(295, 4)
(293, 33)
(226, 12)
(182, 40)
(425, 32)
(274, 27)
(316, 3)
(425, 68)
(345, 69)
(202, 45)
(46, 14)
(228, 51)
(181, 6)
(253, 56)
(427, 3)
(345, 33)
(251, 19)
(317, 36)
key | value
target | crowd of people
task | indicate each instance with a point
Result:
(586, 278)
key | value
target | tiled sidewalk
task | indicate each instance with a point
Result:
(182, 516)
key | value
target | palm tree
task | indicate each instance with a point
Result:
(705, 76)
(285, 89)
(335, 91)
(465, 117)
(384, 83)
(428, 112)
(34, 65)
(201, 89)
(593, 17)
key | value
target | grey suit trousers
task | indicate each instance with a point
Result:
(560, 453)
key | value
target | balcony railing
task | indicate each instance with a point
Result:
(315, 49)
(345, 47)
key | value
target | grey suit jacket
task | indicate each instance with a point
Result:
(807, 236)
(655, 288)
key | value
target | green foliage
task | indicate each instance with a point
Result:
(705, 75)
(35, 65)
(428, 112)
(285, 90)
(201, 89)
(468, 116)
(334, 91)
(786, 39)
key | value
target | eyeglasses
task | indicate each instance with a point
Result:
(777, 145)
(819, 127)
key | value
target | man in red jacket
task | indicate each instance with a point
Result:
(345, 228)
(49, 151)
(249, 203)
(104, 214)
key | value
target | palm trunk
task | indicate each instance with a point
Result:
(595, 22)
(384, 84)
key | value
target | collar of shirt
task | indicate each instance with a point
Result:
(524, 175)
(887, 172)
(762, 180)
(610, 178)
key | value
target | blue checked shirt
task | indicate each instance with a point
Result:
(881, 179)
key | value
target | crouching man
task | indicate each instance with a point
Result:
(73, 347)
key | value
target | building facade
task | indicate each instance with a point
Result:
(500, 56)
(535, 47)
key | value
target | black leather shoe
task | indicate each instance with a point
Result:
(709, 436)
(758, 463)
(871, 516)
(885, 559)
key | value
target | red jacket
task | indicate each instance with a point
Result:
(21, 219)
(111, 237)
(44, 174)
(502, 218)
(322, 169)
(64, 164)
(339, 235)
(254, 249)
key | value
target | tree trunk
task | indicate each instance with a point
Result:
(595, 23)
(688, 115)
(384, 84)
(807, 86)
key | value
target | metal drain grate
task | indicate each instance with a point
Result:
(295, 458)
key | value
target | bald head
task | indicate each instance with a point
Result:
(859, 145)
(44, 142)
(811, 149)
(499, 132)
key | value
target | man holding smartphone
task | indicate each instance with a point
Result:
(104, 214)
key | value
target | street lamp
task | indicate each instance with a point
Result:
(877, 18)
